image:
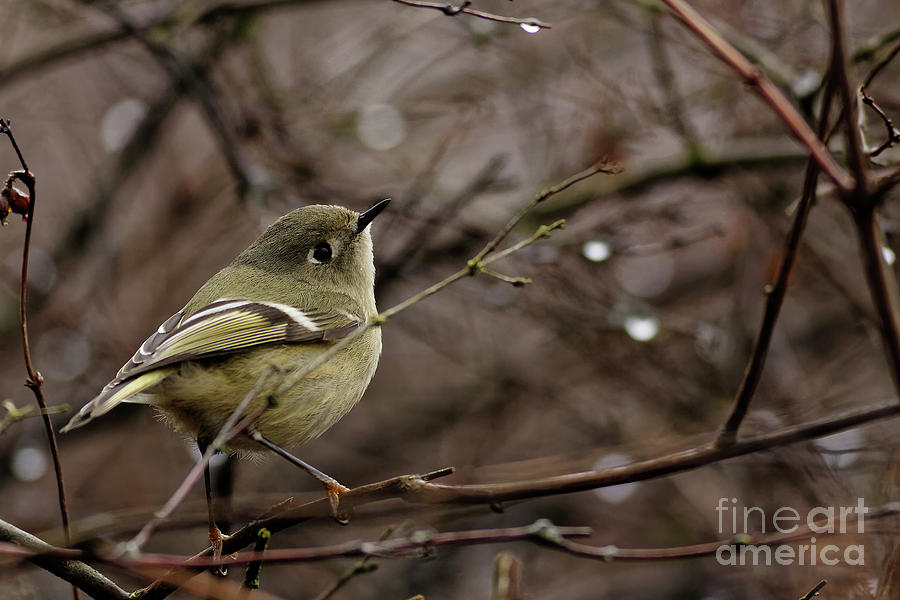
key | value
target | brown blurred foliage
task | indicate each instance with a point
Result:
(151, 177)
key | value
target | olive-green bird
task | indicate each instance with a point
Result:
(305, 283)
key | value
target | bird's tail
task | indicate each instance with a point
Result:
(114, 394)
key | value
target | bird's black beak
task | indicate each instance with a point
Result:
(368, 216)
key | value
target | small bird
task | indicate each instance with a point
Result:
(304, 284)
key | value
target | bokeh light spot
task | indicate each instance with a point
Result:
(380, 126)
(596, 250)
(615, 494)
(641, 328)
(119, 123)
(28, 463)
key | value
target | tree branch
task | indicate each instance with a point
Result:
(765, 88)
(419, 489)
(47, 557)
(776, 293)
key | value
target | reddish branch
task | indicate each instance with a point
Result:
(765, 88)
(34, 381)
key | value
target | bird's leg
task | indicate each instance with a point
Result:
(216, 537)
(332, 487)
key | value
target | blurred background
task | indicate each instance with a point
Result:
(165, 135)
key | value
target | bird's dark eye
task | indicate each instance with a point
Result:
(322, 253)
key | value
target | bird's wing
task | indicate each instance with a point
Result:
(227, 326)
(220, 328)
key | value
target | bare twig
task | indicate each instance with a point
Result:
(868, 49)
(815, 591)
(34, 382)
(673, 107)
(765, 88)
(881, 65)
(14, 414)
(893, 136)
(855, 156)
(691, 163)
(542, 196)
(776, 293)
(464, 8)
(881, 282)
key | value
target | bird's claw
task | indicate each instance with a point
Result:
(335, 490)
(216, 539)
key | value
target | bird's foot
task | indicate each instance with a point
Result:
(335, 490)
(216, 539)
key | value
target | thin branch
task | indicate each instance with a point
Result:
(542, 196)
(776, 293)
(893, 136)
(815, 591)
(881, 282)
(672, 106)
(856, 157)
(692, 163)
(881, 65)
(451, 11)
(868, 49)
(14, 414)
(765, 88)
(35, 380)
(416, 245)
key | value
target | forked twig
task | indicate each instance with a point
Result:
(765, 88)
